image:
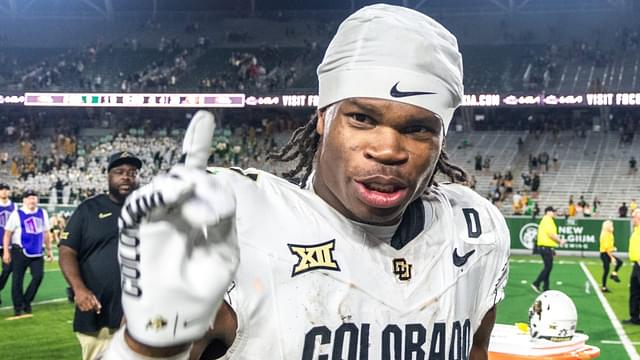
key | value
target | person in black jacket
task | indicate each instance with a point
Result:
(89, 257)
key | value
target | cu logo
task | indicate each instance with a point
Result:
(529, 235)
(402, 268)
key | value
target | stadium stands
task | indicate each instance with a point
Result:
(597, 165)
(489, 69)
(594, 166)
(590, 164)
(277, 52)
(500, 53)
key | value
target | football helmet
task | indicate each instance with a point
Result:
(553, 316)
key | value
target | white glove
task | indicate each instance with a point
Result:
(178, 249)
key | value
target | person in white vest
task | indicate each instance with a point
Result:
(365, 256)
(26, 236)
(6, 208)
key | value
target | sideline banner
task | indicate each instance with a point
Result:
(581, 234)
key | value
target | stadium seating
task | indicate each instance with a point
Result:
(595, 166)
(503, 55)
(488, 69)
(507, 56)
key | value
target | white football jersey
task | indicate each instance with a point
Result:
(313, 285)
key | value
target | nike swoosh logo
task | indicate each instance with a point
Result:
(399, 94)
(104, 215)
(461, 260)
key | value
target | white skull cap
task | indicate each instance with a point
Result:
(393, 53)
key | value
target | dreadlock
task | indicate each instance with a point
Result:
(303, 144)
(455, 173)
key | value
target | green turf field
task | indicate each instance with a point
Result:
(48, 334)
(568, 276)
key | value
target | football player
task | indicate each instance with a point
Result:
(368, 258)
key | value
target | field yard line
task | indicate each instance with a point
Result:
(38, 303)
(624, 339)
(617, 342)
(559, 262)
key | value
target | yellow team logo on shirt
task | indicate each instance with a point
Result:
(64, 235)
(402, 269)
(158, 323)
(313, 257)
(104, 215)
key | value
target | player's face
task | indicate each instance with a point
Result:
(123, 179)
(30, 202)
(375, 157)
(4, 194)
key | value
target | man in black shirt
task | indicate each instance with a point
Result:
(622, 210)
(89, 257)
(478, 159)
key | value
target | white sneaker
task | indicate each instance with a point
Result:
(535, 288)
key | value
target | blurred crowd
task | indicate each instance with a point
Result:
(66, 167)
(65, 170)
(66, 69)
(543, 70)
